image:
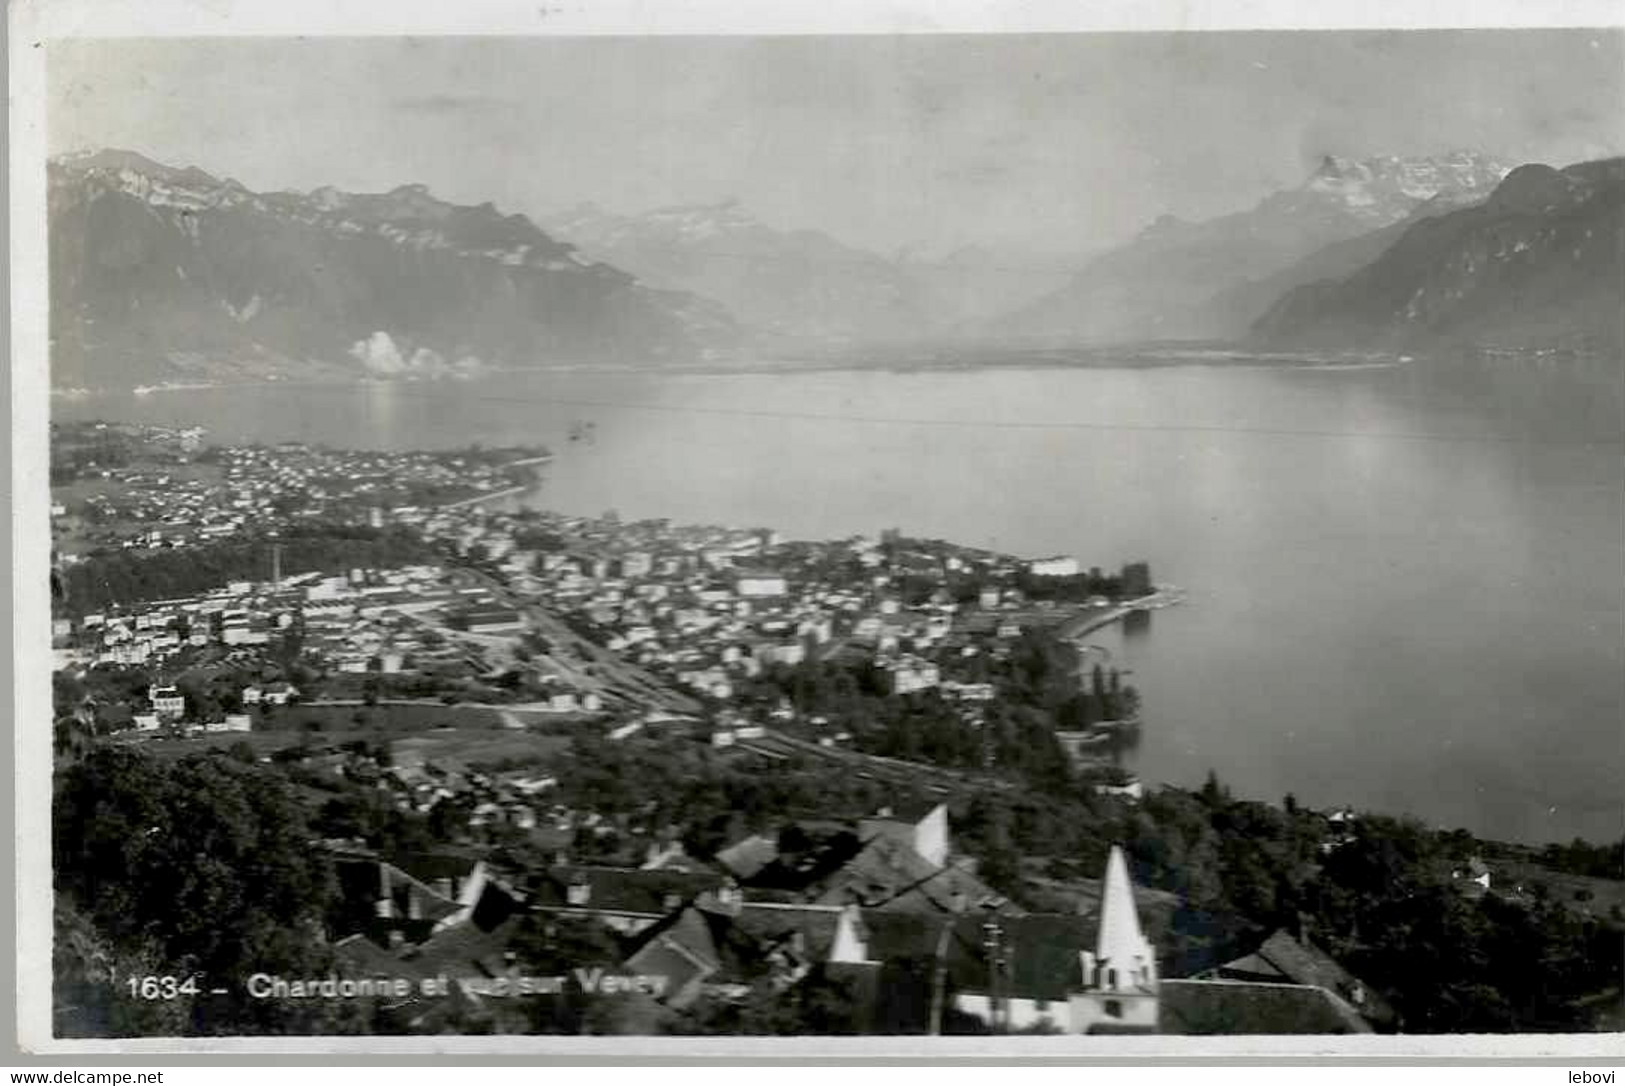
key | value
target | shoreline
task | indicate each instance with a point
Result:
(493, 496)
(1018, 361)
(1081, 626)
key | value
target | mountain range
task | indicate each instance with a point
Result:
(1540, 263)
(804, 284)
(165, 274)
(1212, 278)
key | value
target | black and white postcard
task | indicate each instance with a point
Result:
(799, 528)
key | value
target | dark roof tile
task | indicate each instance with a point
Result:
(638, 891)
(1227, 1007)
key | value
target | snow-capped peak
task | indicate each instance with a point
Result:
(1379, 185)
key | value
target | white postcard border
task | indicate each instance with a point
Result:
(36, 22)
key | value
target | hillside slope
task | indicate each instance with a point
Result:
(171, 274)
(1541, 263)
(1201, 280)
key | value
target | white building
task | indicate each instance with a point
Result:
(166, 701)
(909, 676)
(1133, 790)
(761, 585)
(234, 722)
(1060, 565)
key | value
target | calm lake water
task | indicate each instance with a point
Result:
(1406, 584)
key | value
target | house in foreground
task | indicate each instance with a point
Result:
(1038, 974)
(901, 942)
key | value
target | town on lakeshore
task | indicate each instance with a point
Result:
(509, 770)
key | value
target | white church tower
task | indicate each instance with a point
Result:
(1120, 976)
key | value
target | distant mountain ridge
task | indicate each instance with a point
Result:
(1211, 279)
(1539, 263)
(163, 273)
(801, 284)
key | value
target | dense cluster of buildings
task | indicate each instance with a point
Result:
(701, 609)
(364, 621)
(707, 608)
(174, 492)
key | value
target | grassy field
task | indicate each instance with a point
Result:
(1585, 895)
(261, 743)
(399, 716)
(469, 746)
(481, 748)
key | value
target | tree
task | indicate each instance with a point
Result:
(1136, 580)
(998, 861)
(88, 973)
(72, 736)
(203, 866)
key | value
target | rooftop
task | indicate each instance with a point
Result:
(1230, 1007)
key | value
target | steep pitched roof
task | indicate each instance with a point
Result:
(360, 956)
(744, 943)
(746, 858)
(361, 881)
(887, 874)
(466, 950)
(825, 848)
(773, 924)
(1229, 1007)
(730, 946)
(1285, 958)
(681, 948)
(363, 957)
(637, 891)
(1121, 940)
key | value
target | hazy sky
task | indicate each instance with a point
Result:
(1050, 142)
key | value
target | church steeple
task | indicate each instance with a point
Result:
(1119, 987)
(1123, 957)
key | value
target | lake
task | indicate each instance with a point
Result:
(1406, 583)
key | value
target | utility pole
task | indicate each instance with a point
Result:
(993, 943)
(939, 981)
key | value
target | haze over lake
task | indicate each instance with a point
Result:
(1405, 589)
